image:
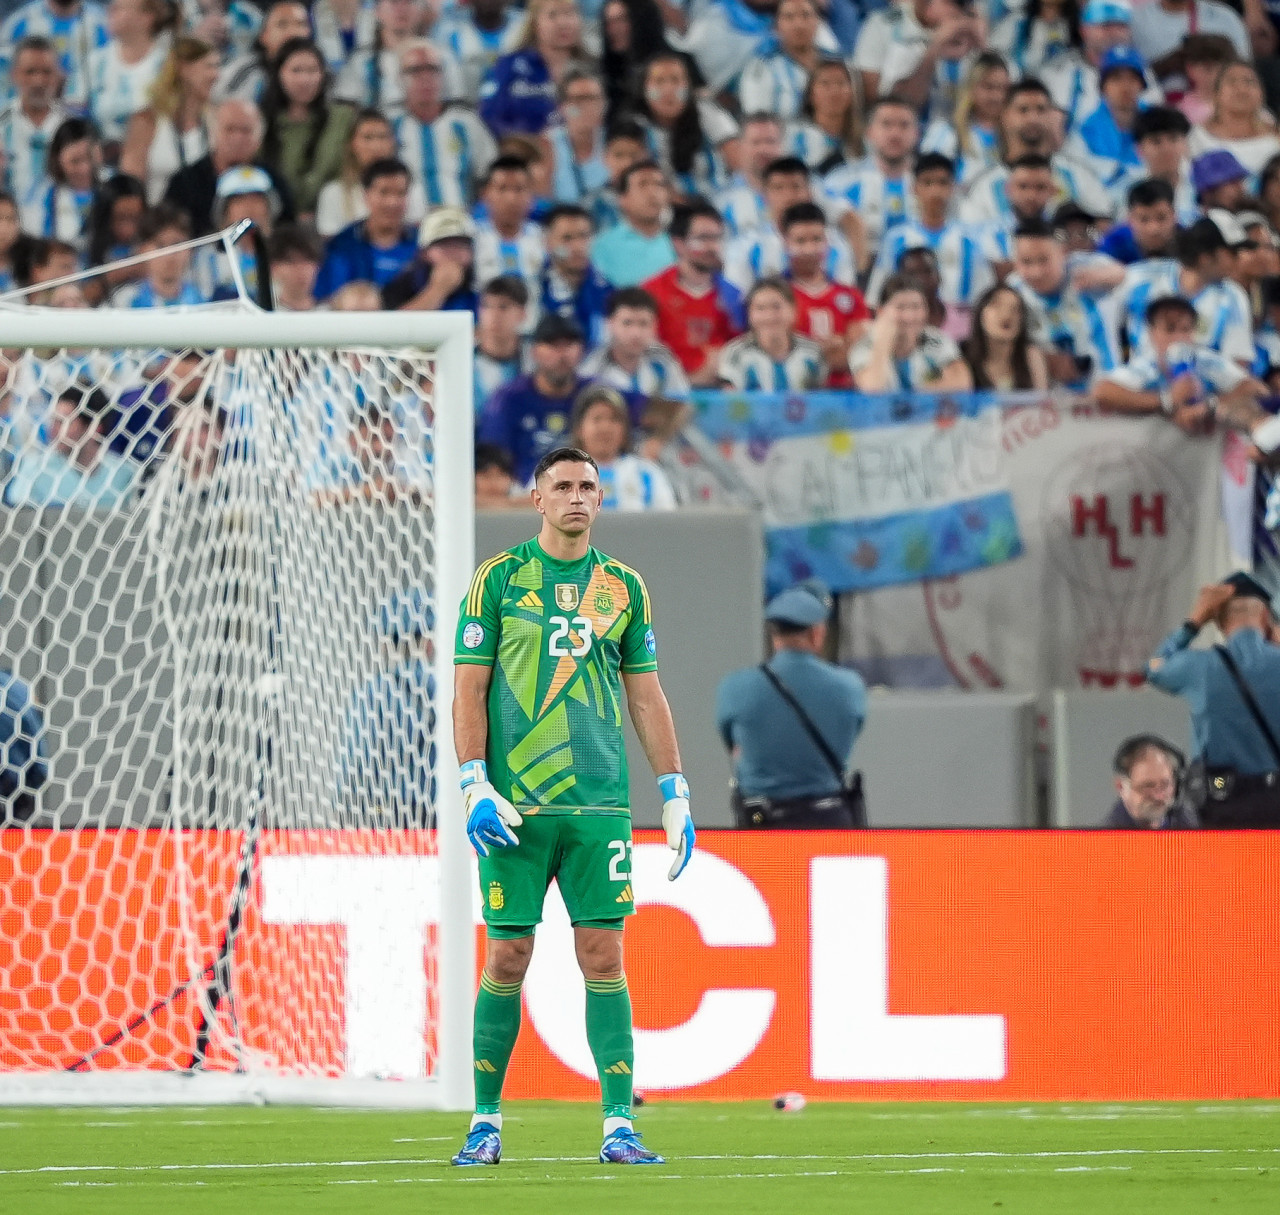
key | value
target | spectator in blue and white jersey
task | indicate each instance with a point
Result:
(625, 144)
(1150, 228)
(970, 135)
(518, 94)
(742, 202)
(59, 204)
(75, 28)
(638, 247)
(245, 76)
(371, 77)
(341, 201)
(341, 27)
(692, 137)
(763, 252)
(601, 426)
(570, 286)
(723, 36)
(1027, 128)
(1103, 139)
(377, 248)
(880, 27)
(77, 469)
(508, 239)
(927, 71)
(246, 192)
(1072, 77)
(500, 349)
(446, 147)
(828, 131)
(1206, 260)
(903, 352)
(962, 262)
(121, 72)
(1033, 35)
(166, 281)
(230, 26)
(878, 187)
(475, 35)
(1174, 375)
(1066, 316)
(1160, 140)
(30, 119)
(577, 140)
(631, 358)
(775, 79)
(771, 356)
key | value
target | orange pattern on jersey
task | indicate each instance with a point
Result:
(615, 594)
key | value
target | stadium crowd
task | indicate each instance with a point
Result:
(645, 197)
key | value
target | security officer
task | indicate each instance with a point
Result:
(790, 724)
(1233, 691)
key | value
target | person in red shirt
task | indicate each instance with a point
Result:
(698, 310)
(832, 314)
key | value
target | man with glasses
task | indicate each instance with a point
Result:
(1147, 770)
(577, 141)
(698, 309)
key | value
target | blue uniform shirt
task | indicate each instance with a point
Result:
(1223, 732)
(352, 258)
(777, 758)
(24, 755)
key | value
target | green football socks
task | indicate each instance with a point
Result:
(612, 1045)
(497, 1025)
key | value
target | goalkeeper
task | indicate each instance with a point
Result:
(544, 633)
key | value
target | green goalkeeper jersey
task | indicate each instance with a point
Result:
(557, 635)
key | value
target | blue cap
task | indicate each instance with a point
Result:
(1215, 168)
(1122, 59)
(1100, 12)
(805, 604)
(407, 613)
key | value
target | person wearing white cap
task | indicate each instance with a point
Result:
(245, 192)
(791, 724)
(1160, 26)
(442, 276)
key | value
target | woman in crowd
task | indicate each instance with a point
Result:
(122, 72)
(999, 352)
(173, 131)
(118, 206)
(1203, 58)
(903, 352)
(518, 95)
(1239, 122)
(1033, 36)
(341, 201)
(601, 426)
(771, 356)
(246, 75)
(577, 141)
(1269, 191)
(305, 134)
(828, 131)
(777, 77)
(59, 205)
(969, 136)
(694, 139)
(631, 33)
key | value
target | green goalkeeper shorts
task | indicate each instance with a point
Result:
(589, 855)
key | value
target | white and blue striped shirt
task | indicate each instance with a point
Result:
(74, 38)
(59, 212)
(336, 44)
(764, 252)
(881, 202)
(448, 157)
(1225, 323)
(25, 145)
(745, 367)
(987, 201)
(571, 180)
(922, 368)
(1184, 194)
(941, 136)
(118, 90)
(491, 373)
(524, 257)
(1072, 322)
(633, 483)
(813, 145)
(659, 372)
(244, 20)
(1073, 85)
(772, 83)
(1142, 373)
(143, 295)
(962, 261)
(708, 172)
(474, 49)
(742, 207)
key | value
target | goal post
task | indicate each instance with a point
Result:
(251, 935)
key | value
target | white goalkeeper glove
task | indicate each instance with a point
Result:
(676, 821)
(490, 816)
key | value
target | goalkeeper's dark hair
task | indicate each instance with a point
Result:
(557, 455)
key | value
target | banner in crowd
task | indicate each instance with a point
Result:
(870, 491)
(1002, 966)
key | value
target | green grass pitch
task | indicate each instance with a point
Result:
(887, 1159)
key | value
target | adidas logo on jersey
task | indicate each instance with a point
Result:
(626, 896)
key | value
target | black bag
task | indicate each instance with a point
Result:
(851, 794)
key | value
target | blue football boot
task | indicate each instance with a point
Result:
(483, 1146)
(624, 1147)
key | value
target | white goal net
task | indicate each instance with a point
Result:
(232, 546)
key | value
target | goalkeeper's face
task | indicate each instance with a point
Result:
(568, 495)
